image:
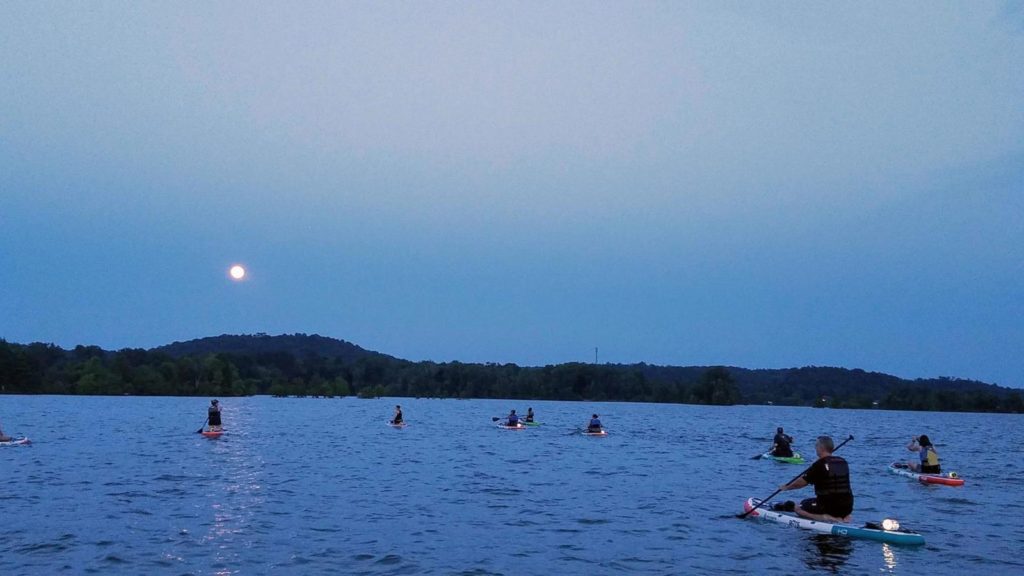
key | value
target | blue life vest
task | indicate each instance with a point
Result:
(595, 423)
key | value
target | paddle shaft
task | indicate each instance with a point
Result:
(200, 431)
(762, 502)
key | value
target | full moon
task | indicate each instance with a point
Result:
(237, 272)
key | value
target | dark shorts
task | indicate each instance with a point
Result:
(838, 508)
(926, 469)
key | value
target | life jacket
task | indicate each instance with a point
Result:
(837, 480)
(929, 457)
(513, 419)
(782, 441)
(595, 423)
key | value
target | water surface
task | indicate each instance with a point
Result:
(323, 486)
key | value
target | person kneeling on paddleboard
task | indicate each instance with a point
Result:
(781, 444)
(929, 457)
(513, 419)
(830, 475)
(595, 424)
(214, 415)
(529, 414)
(398, 416)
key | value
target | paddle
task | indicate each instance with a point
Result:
(200, 431)
(496, 418)
(763, 502)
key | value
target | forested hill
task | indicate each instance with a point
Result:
(312, 365)
(298, 345)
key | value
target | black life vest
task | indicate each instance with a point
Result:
(837, 478)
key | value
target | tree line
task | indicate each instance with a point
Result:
(90, 370)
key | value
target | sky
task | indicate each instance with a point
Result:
(694, 183)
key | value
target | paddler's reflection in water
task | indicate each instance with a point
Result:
(827, 552)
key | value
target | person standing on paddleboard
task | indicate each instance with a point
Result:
(781, 444)
(398, 416)
(214, 416)
(929, 463)
(830, 475)
(595, 424)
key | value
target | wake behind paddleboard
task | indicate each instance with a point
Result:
(867, 532)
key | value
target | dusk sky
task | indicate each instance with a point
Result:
(749, 184)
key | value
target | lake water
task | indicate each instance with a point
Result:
(323, 486)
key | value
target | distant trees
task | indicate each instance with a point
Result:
(717, 387)
(42, 368)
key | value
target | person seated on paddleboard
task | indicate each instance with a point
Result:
(830, 475)
(214, 415)
(529, 414)
(595, 424)
(929, 463)
(781, 444)
(512, 419)
(398, 416)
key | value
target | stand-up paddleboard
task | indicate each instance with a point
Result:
(518, 426)
(947, 479)
(796, 458)
(213, 433)
(870, 531)
(532, 423)
(399, 425)
(601, 432)
(16, 442)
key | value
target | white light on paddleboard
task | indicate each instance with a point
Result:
(890, 525)
(237, 272)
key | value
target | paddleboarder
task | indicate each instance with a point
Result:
(214, 415)
(595, 424)
(929, 463)
(398, 416)
(512, 420)
(830, 475)
(781, 444)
